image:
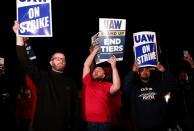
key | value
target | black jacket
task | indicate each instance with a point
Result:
(147, 104)
(57, 97)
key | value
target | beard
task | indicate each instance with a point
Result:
(59, 67)
(98, 79)
(145, 79)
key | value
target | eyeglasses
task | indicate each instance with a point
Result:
(58, 59)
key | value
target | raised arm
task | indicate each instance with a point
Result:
(189, 59)
(130, 77)
(160, 67)
(89, 60)
(115, 76)
(19, 39)
(168, 77)
(29, 67)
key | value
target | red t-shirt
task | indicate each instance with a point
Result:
(96, 100)
(32, 88)
(115, 107)
(26, 106)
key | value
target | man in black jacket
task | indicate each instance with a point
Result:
(145, 90)
(57, 95)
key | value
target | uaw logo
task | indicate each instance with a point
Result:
(148, 96)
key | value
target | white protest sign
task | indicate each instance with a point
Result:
(34, 17)
(111, 38)
(145, 48)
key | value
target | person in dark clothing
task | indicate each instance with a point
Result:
(8, 87)
(57, 94)
(182, 103)
(145, 89)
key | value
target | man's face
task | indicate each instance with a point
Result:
(144, 74)
(58, 62)
(98, 73)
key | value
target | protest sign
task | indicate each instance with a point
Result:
(111, 39)
(145, 48)
(34, 18)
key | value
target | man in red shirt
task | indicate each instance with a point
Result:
(97, 94)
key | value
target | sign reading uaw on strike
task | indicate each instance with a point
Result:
(34, 17)
(145, 48)
(111, 38)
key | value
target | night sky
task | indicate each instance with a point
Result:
(74, 24)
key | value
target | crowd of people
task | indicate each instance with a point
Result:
(147, 99)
